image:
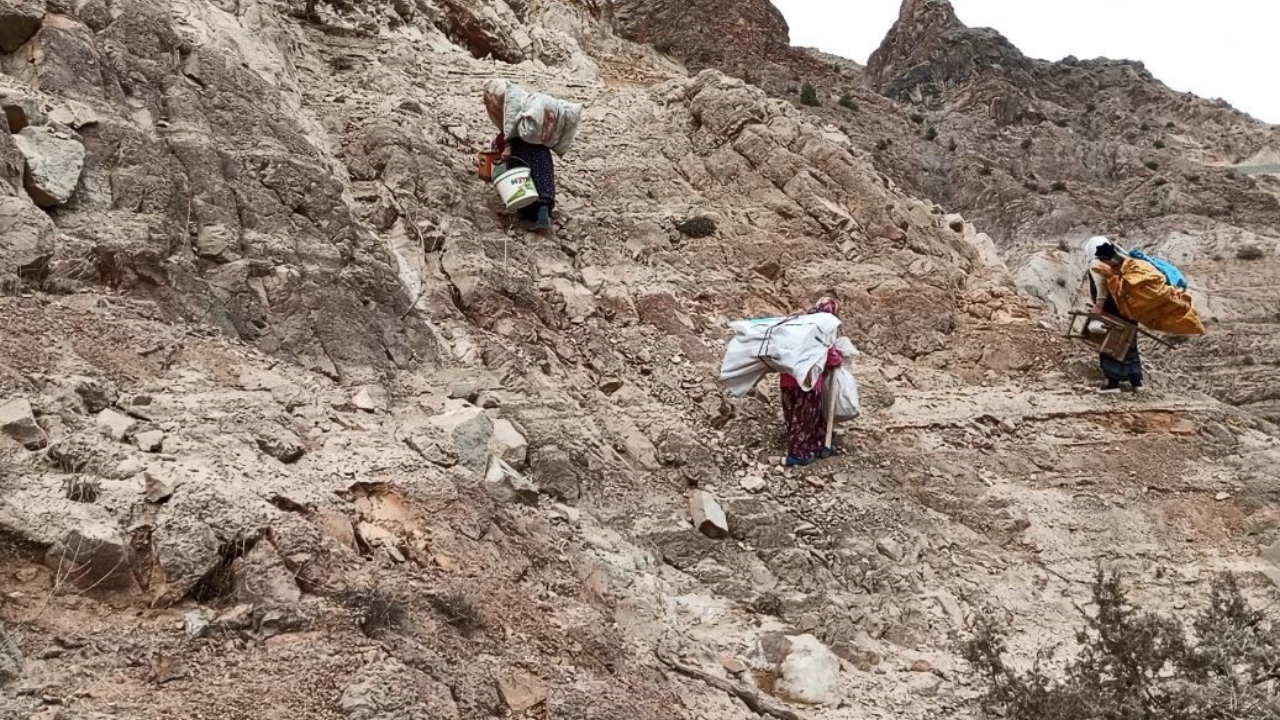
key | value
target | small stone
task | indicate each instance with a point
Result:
(463, 391)
(281, 444)
(1222, 496)
(370, 399)
(151, 441)
(196, 624)
(569, 514)
(753, 484)
(95, 395)
(115, 425)
(157, 486)
(921, 666)
(924, 685)
(732, 665)
(889, 548)
(610, 386)
(521, 690)
(708, 516)
(19, 424)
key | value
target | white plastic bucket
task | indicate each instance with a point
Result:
(516, 188)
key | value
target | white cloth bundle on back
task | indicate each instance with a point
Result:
(540, 119)
(796, 346)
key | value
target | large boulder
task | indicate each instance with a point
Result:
(94, 556)
(54, 161)
(810, 673)
(27, 238)
(19, 20)
(471, 430)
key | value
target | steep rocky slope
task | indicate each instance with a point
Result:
(1041, 155)
(295, 419)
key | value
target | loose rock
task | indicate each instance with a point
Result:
(280, 444)
(810, 673)
(708, 516)
(371, 399)
(471, 429)
(19, 424)
(521, 691)
(890, 548)
(115, 425)
(508, 485)
(196, 624)
(54, 161)
(95, 395)
(463, 391)
(151, 441)
(94, 556)
(508, 444)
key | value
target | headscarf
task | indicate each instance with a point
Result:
(495, 100)
(1101, 248)
(826, 305)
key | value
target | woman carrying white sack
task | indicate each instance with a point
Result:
(531, 126)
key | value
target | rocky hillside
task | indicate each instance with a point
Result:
(1041, 155)
(293, 417)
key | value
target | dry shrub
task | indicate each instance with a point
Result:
(461, 610)
(82, 489)
(1133, 664)
(378, 611)
(1250, 252)
(10, 656)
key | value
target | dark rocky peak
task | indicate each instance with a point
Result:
(928, 49)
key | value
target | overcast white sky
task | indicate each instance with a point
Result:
(1214, 48)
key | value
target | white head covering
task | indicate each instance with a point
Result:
(1095, 242)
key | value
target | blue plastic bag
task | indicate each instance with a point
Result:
(1172, 274)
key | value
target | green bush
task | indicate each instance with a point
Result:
(664, 45)
(1133, 664)
(809, 95)
(931, 133)
(917, 118)
(848, 103)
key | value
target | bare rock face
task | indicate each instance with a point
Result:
(19, 20)
(20, 109)
(29, 238)
(485, 28)
(392, 690)
(54, 161)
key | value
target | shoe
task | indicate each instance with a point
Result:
(544, 218)
(1110, 389)
(793, 461)
(1139, 388)
(828, 452)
